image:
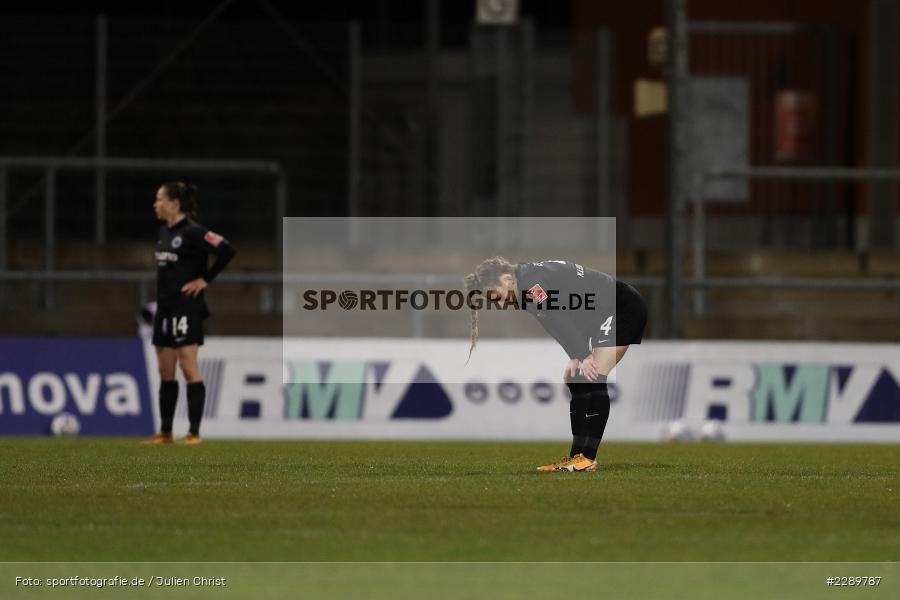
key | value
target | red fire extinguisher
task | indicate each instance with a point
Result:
(796, 116)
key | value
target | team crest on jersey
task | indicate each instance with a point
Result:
(214, 239)
(176, 242)
(537, 293)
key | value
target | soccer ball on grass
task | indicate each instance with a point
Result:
(65, 424)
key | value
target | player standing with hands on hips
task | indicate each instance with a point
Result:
(594, 318)
(182, 275)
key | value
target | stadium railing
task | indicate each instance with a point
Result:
(52, 165)
(145, 279)
(701, 282)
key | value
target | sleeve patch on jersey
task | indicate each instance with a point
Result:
(214, 239)
(537, 293)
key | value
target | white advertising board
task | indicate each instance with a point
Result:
(513, 390)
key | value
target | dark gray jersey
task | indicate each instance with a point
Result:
(574, 304)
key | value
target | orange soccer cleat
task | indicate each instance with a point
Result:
(579, 462)
(190, 440)
(158, 439)
(555, 466)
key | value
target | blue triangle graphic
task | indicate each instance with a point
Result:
(324, 369)
(843, 375)
(425, 398)
(379, 370)
(883, 403)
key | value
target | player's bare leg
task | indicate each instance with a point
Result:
(187, 360)
(607, 358)
(166, 360)
(196, 391)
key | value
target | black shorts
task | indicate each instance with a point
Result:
(177, 327)
(627, 326)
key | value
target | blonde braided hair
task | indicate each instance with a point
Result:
(486, 275)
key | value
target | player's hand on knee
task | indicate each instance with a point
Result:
(571, 369)
(589, 369)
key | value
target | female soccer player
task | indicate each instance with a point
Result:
(594, 318)
(182, 257)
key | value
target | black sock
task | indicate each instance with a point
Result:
(577, 407)
(196, 398)
(168, 397)
(596, 416)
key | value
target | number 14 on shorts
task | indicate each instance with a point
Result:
(179, 325)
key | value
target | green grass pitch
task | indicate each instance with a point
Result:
(95, 499)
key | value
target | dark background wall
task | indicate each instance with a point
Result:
(772, 62)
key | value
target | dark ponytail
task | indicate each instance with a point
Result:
(185, 193)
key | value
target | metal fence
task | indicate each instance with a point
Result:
(365, 120)
(144, 281)
(774, 94)
(165, 88)
(701, 204)
(753, 107)
(424, 121)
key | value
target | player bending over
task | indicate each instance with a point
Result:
(610, 316)
(182, 257)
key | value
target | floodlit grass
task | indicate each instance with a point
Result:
(465, 506)
(100, 500)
